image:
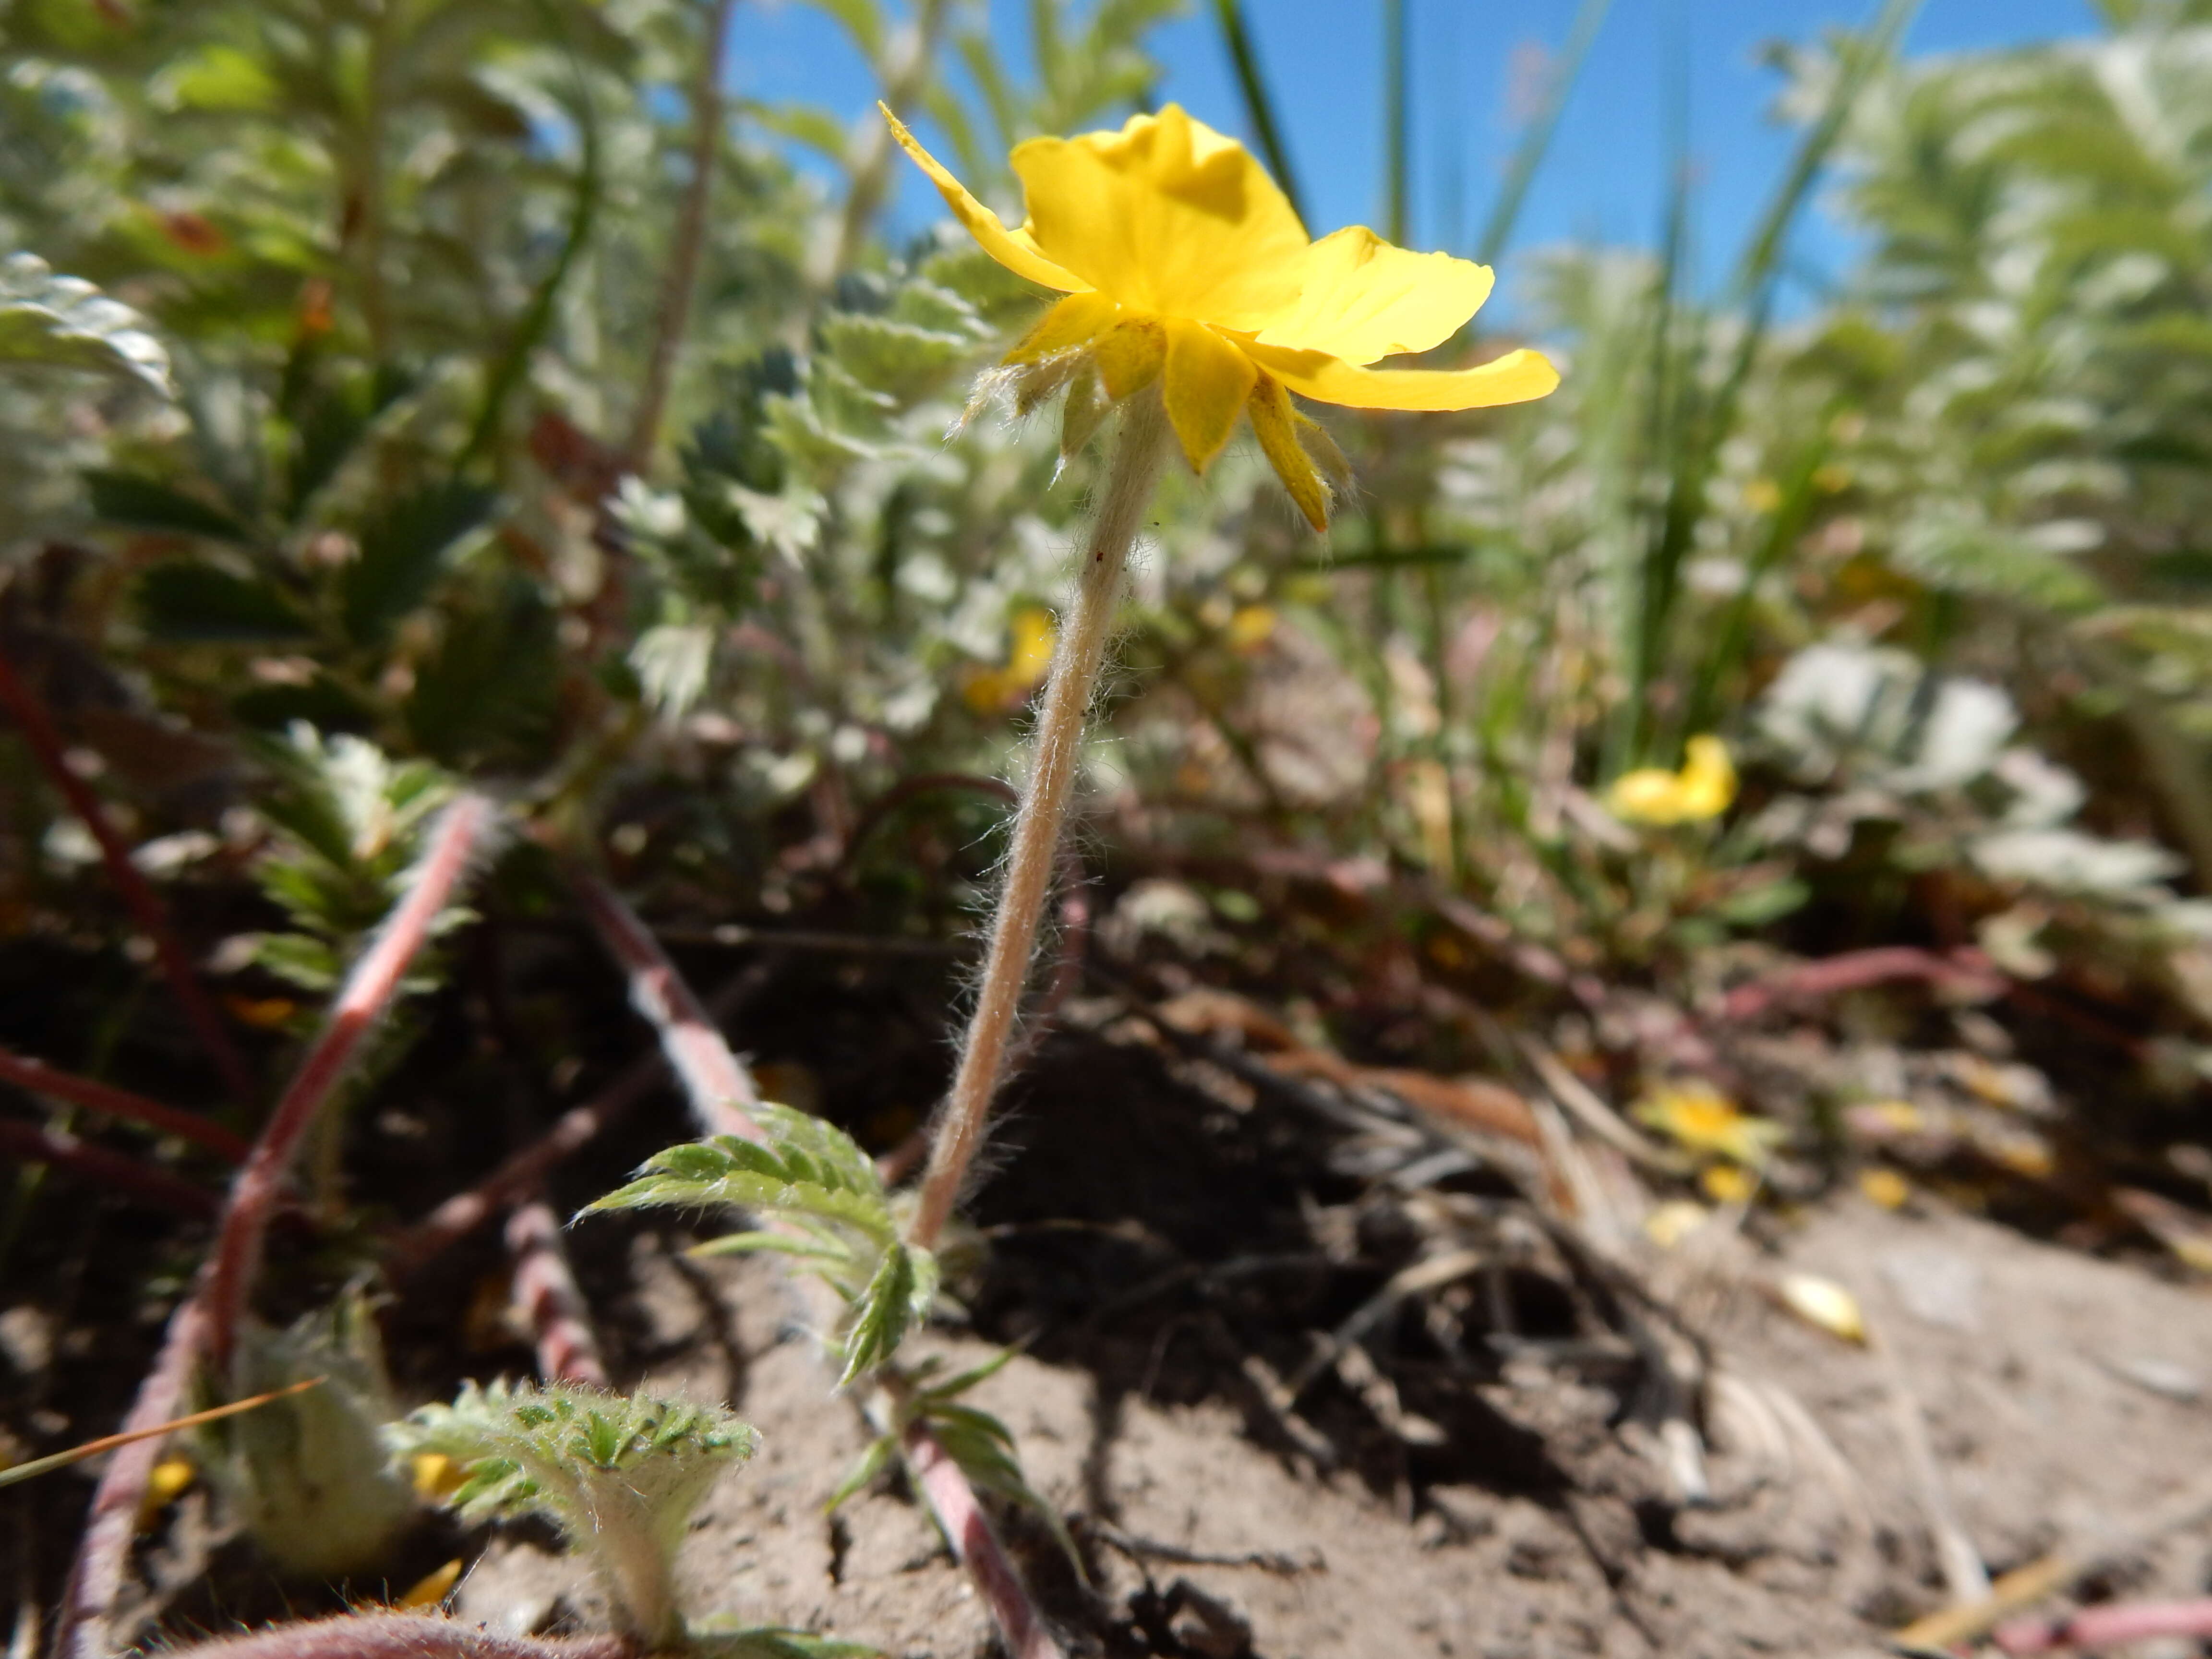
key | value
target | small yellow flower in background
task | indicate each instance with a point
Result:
(1696, 1116)
(1727, 1183)
(1704, 788)
(1823, 1303)
(1252, 627)
(168, 1481)
(1184, 265)
(1762, 494)
(1886, 1188)
(994, 691)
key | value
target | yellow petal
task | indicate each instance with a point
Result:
(433, 1588)
(1167, 217)
(1273, 424)
(1650, 794)
(1129, 356)
(1017, 250)
(1362, 298)
(1076, 320)
(1708, 778)
(1824, 1302)
(434, 1476)
(1515, 378)
(1207, 381)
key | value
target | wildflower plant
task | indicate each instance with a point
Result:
(818, 1198)
(1194, 299)
(619, 1474)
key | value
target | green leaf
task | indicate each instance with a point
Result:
(64, 322)
(187, 601)
(770, 1642)
(143, 503)
(869, 1464)
(896, 1299)
(402, 549)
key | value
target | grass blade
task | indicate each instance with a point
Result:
(1259, 105)
(1537, 138)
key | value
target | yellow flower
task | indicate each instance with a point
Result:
(1698, 1116)
(1704, 788)
(1183, 264)
(992, 690)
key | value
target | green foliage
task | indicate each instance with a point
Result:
(822, 1203)
(619, 1474)
(307, 1474)
(979, 1443)
(349, 823)
(62, 322)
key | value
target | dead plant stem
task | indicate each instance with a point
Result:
(1139, 457)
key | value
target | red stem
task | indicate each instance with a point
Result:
(206, 1321)
(40, 1078)
(719, 1087)
(2107, 1626)
(368, 990)
(401, 1635)
(104, 1552)
(976, 1542)
(102, 1168)
(45, 744)
(715, 1081)
(412, 1247)
(1966, 971)
(545, 1289)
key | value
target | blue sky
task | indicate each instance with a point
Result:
(1605, 178)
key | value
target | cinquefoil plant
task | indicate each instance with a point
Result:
(619, 1474)
(818, 1197)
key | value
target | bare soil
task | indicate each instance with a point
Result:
(1135, 1228)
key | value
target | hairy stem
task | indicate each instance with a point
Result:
(952, 1501)
(403, 1636)
(368, 990)
(45, 744)
(104, 1552)
(546, 1294)
(681, 277)
(1139, 457)
(700, 1057)
(206, 1321)
(716, 1082)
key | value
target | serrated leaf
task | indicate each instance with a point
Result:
(184, 601)
(64, 322)
(402, 547)
(141, 503)
(896, 1298)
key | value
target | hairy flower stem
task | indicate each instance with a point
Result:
(1139, 459)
